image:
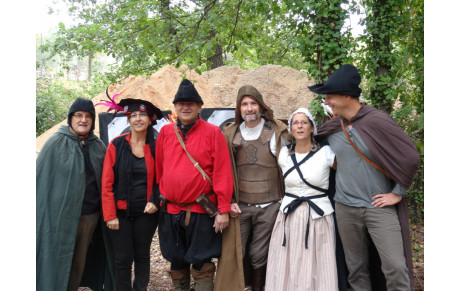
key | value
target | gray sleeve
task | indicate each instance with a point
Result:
(398, 189)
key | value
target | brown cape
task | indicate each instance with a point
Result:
(393, 149)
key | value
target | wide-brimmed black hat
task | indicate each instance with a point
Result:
(344, 81)
(187, 93)
(81, 104)
(130, 105)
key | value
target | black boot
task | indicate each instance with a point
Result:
(258, 279)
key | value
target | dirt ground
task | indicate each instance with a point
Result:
(160, 280)
(417, 235)
(159, 277)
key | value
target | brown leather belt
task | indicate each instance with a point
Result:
(187, 214)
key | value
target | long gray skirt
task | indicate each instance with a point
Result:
(293, 267)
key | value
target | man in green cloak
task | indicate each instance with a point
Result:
(72, 245)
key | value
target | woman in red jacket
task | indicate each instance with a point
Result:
(130, 194)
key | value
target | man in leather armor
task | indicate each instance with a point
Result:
(254, 141)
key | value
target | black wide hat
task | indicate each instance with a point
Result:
(344, 81)
(130, 105)
(187, 93)
(81, 104)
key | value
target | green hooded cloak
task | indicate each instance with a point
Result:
(61, 182)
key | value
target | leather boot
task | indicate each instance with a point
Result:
(258, 279)
(181, 279)
(204, 278)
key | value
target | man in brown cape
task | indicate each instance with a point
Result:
(376, 163)
(254, 141)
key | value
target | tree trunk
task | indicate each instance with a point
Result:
(90, 67)
(381, 43)
(165, 10)
(217, 59)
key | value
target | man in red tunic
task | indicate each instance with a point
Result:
(188, 235)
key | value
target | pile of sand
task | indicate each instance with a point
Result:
(284, 89)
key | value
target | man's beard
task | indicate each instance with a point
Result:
(251, 119)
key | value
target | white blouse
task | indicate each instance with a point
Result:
(315, 170)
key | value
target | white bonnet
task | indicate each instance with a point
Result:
(307, 113)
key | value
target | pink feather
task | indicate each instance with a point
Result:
(111, 104)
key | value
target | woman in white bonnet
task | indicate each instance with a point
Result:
(302, 253)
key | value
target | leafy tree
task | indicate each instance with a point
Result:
(145, 35)
(410, 44)
(379, 64)
(55, 96)
(392, 53)
(321, 38)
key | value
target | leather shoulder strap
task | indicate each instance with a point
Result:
(195, 163)
(380, 169)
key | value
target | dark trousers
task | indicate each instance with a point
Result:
(131, 242)
(184, 245)
(257, 222)
(85, 231)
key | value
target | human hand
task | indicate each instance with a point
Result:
(234, 210)
(150, 208)
(388, 199)
(220, 222)
(113, 224)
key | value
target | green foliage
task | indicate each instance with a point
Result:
(413, 123)
(54, 97)
(392, 55)
(321, 36)
(410, 48)
(415, 195)
(322, 40)
(143, 36)
(379, 63)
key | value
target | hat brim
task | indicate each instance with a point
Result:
(322, 89)
(149, 105)
(316, 88)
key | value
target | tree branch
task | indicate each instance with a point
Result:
(234, 26)
(197, 26)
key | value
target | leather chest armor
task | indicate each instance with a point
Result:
(258, 175)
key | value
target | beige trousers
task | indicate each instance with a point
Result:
(383, 226)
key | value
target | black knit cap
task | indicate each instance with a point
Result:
(344, 81)
(187, 93)
(130, 105)
(81, 104)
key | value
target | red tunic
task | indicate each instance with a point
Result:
(180, 181)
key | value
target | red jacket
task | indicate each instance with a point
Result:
(180, 181)
(113, 182)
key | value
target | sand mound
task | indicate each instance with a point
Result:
(284, 89)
